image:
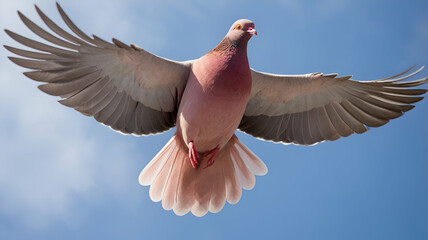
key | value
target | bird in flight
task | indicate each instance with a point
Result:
(207, 99)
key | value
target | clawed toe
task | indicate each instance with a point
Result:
(193, 155)
(212, 154)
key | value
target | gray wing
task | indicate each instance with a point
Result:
(122, 86)
(311, 108)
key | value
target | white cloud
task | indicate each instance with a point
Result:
(48, 156)
(39, 167)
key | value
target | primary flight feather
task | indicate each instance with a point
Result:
(208, 99)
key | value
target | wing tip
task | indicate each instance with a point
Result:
(65, 103)
(137, 48)
(61, 12)
(8, 32)
(9, 48)
(45, 88)
(23, 17)
(39, 11)
(120, 44)
(33, 75)
(17, 61)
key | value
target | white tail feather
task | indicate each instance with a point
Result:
(183, 188)
(147, 176)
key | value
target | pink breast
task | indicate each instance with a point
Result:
(214, 101)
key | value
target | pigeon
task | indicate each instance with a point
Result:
(204, 164)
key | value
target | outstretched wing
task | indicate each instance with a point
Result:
(310, 108)
(124, 87)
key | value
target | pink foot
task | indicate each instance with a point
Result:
(211, 160)
(193, 155)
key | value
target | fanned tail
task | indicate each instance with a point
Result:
(183, 188)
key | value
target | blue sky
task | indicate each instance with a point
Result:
(65, 176)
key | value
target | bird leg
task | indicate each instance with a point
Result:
(193, 155)
(212, 154)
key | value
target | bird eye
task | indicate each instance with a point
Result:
(238, 26)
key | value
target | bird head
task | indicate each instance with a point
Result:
(242, 29)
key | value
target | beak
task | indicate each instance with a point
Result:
(252, 31)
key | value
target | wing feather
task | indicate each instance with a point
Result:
(311, 108)
(103, 115)
(98, 102)
(122, 86)
(45, 35)
(63, 88)
(38, 45)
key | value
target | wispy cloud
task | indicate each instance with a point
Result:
(48, 155)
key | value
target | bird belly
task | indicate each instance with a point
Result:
(209, 117)
(208, 125)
